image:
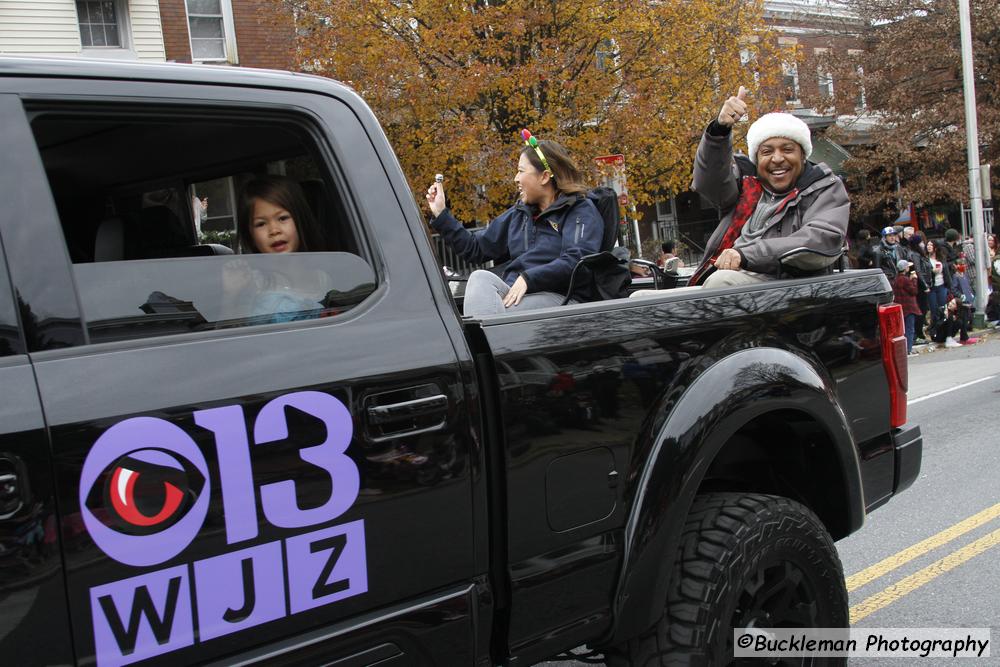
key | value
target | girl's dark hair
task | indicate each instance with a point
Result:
(915, 246)
(282, 192)
(566, 176)
(940, 254)
(668, 246)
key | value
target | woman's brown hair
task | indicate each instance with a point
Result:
(566, 176)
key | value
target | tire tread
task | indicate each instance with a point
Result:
(720, 530)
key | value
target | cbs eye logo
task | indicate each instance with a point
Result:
(144, 486)
(144, 491)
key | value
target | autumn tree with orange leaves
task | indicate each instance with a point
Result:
(454, 82)
(909, 68)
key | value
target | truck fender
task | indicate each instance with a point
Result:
(712, 407)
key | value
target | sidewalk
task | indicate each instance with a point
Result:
(979, 334)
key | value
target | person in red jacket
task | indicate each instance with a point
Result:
(904, 289)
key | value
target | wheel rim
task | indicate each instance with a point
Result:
(778, 595)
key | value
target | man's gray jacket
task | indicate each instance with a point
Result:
(814, 219)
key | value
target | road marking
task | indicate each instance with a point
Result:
(924, 576)
(896, 560)
(945, 391)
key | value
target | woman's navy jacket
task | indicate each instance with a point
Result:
(543, 249)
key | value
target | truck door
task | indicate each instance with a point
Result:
(261, 456)
(34, 625)
(581, 400)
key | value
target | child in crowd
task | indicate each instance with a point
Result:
(904, 289)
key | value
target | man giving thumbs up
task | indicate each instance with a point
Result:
(772, 202)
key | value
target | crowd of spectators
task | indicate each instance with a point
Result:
(934, 281)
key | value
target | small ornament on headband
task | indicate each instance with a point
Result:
(531, 141)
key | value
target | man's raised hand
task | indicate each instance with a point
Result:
(733, 109)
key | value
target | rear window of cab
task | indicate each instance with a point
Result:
(151, 206)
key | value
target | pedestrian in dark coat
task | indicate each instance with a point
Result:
(952, 248)
(904, 290)
(888, 252)
(865, 257)
(925, 278)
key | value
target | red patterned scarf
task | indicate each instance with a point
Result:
(750, 193)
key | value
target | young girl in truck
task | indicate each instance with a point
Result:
(543, 235)
(274, 218)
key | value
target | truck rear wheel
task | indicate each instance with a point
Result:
(746, 560)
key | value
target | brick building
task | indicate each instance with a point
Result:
(249, 33)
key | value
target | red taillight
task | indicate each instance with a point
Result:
(890, 320)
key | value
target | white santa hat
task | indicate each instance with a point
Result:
(783, 125)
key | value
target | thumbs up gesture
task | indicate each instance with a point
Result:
(733, 109)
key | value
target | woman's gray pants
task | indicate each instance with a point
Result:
(485, 291)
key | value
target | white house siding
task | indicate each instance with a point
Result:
(39, 27)
(147, 35)
(49, 27)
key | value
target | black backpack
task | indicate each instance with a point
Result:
(606, 202)
(603, 275)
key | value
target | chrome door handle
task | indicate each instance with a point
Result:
(382, 414)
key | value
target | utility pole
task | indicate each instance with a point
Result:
(972, 148)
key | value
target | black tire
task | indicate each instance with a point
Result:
(745, 560)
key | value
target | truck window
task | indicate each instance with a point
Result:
(150, 207)
(10, 336)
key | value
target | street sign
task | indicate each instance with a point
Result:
(612, 172)
(617, 160)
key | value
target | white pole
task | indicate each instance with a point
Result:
(638, 241)
(972, 148)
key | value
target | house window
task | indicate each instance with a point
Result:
(824, 81)
(859, 72)
(748, 59)
(665, 209)
(213, 207)
(790, 82)
(666, 219)
(210, 26)
(859, 101)
(100, 23)
(605, 55)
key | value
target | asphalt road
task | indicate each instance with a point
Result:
(930, 558)
(949, 520)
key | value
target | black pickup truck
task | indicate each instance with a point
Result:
(355, 474)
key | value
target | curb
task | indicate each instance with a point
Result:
(981, 334)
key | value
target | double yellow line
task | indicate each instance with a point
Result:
(937, 568)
